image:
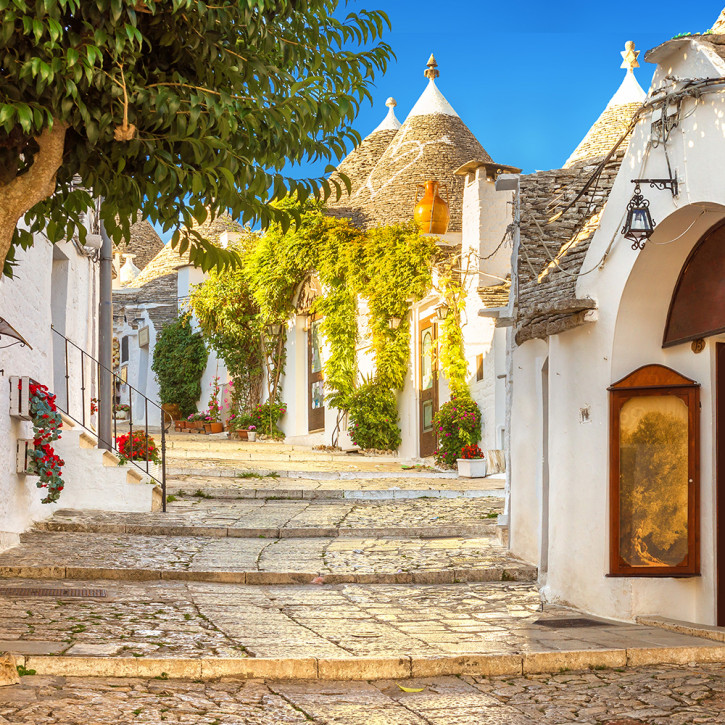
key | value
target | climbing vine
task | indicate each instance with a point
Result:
(245, 312)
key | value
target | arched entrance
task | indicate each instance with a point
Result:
(672, 296)
(309, 292)
(697, 311)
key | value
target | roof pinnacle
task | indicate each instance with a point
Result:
(432, 72)
(629, 57)
(391, 102)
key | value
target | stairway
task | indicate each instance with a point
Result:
(95, 480)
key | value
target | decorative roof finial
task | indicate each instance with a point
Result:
(391, 102)
(629, 57)
(432, 71)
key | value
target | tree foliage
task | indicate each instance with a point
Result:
(179, 362)
(178, 109)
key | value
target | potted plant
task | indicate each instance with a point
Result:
(196, 421)
(121, 411)
(252, 433)
(213, 422)
(472, 463)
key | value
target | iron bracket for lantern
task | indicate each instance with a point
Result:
(660, 184)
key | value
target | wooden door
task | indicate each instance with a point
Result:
(428, 394)
(315, 379)
(720, 484)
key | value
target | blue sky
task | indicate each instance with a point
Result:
(529, 78)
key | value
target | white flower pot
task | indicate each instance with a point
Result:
(252, 436)
(121, 415)
(472, 467)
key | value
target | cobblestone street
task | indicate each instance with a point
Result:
(654, 695)
(270, 599)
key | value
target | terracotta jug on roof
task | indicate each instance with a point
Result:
(431, 213)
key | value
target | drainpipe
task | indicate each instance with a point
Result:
(105, 342)
(510, 182)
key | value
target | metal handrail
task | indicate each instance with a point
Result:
(82, 422)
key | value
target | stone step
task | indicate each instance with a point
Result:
(289, 518)
(347, 632)
(297, 469)
(182, 489)
(422, 532)
(72, 555)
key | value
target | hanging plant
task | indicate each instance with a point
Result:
(47, 423)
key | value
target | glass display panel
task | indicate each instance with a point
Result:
(317, 391)
(427, 416)
(653, 475)
(315, 341)
(426, 361)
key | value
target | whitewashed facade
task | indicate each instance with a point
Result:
(561, 433)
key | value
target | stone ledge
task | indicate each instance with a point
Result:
(430, 576)
(706, 631)
(367, 668)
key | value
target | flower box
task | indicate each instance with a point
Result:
(20, 397)
(24, 463)
(472, 467)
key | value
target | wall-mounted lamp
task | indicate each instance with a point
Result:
(442, 312)
(274, 329)
(639, 225)
(7, 330)
(394, 323)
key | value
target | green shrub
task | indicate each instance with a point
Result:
(265, 417)
(373, 416)
(458, 424)
(179, 362)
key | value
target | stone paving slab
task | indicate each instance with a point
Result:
(277, 518)
(74, 555)
(215, 485)
(349, 631)
(665, 695)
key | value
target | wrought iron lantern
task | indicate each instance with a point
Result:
(394, 323)
(639, 225)
(274, 329)
(7, 330)
(442, 312)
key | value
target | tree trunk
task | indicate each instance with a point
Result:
(30, 188)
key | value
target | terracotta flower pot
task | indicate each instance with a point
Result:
(216, 427)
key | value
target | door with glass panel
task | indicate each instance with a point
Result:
(428, 351)
(315, 379)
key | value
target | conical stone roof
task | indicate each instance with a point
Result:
(360, 162)
(431, 144)
(616, 117)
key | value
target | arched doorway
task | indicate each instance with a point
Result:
(697, 311)
(310, 291)
(670, 295)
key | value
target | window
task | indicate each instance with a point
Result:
(124, 349)
(479, 368)
(654, 466)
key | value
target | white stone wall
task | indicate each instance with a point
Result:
(30, 301)
(633, 292)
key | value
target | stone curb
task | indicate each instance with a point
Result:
(367, 668)
(412, 532)
(704, 631)
(336, 494)
(445, 576)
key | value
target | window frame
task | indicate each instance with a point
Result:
(651, 380)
